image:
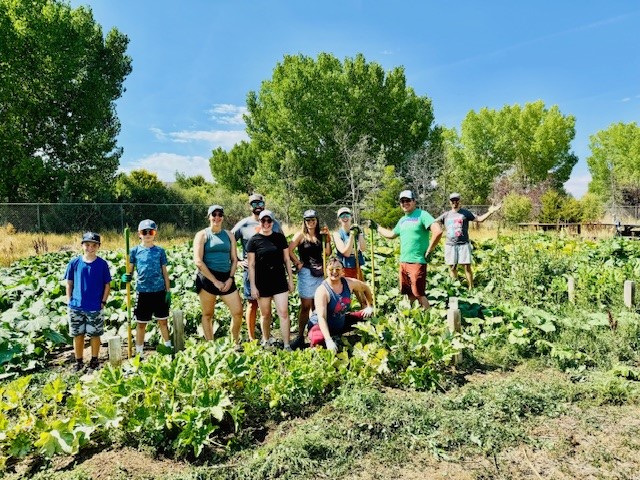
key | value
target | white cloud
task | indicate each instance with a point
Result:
(227, 114)
(216, 138)
(626, 99)
(165, 166)
(577, 185)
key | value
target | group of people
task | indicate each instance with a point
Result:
(325, 281)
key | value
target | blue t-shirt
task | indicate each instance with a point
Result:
(456, 224)
(337, 308)
(89, 280)
(350, 261)
(148, 263)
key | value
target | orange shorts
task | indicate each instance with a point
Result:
(413, 279)
(352, 273)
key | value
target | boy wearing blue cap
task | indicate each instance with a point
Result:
(153, 286)
(88, 288)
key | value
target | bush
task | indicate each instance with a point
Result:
(516, 208)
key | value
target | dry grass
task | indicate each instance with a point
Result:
(17, 245)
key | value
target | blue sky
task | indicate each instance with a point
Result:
(194, 61)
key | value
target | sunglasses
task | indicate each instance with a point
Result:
(345, 215)
(454, 200)
(311, 219)
(257, 204)
(405, 200)
(148, 231)
(334, 269)
(217, 214)
(266, 220)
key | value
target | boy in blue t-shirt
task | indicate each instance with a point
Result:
(153, 285)
(88, 288)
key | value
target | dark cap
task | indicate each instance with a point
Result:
(311, 213)
(90, 237)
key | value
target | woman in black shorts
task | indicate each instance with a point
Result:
(270, 276)
(215, 255)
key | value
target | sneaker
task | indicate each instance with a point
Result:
(238, 348)
(94, 364)
(272, 342)
(287, 348)
(298, 343)
(78, 367)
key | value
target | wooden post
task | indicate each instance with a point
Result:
(178, 330)
(453, 303)
(629, 293)
(114, 345)
(454, 324)
(571, 289)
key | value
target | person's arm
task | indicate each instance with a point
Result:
(356, 285)
(292, 247)
(198, 259)
(287, 262)
(251, 261)
(321, 300)
(69, 290)
(233, 254)
(436, 234)
(362, 242)
(165, 275)
(324, 233)
(386, 233)
(491, 211)
(105, 294)
(345, 248)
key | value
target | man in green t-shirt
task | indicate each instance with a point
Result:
(416, 244)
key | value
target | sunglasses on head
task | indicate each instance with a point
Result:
(217, 214)
(266, 220)
(257, 204)
(148, 231)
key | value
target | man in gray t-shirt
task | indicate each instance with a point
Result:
(243, 231)
(457, 249)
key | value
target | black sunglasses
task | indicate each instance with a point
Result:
(257, 204)
(217, 214)
(266, 220)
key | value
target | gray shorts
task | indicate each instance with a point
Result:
(307, 283)
(457, 254)
(85, 323)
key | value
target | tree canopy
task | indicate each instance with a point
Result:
(299, 117)
(527, 143)
(614, 162)
(59, 79)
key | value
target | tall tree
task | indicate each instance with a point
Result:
(59, 79)
(529, 144)
(295, 113)
(614, 162)
(234, 169)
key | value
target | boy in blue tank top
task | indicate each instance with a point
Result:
(153, 286)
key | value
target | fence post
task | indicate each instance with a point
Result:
(571, 289)
(38, 214)
(454, 323)
(115, 350)
(122, 219)
(629, 293)
(178, 330)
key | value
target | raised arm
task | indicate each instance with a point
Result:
(491, 211)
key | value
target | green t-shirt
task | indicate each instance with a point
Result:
(414, 233)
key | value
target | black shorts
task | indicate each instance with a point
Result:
(151, 304)
(203, 283)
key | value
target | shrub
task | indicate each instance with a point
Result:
(516, 208)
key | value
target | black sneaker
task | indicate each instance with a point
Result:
(94, 364)
(298, 343)
(78, 367)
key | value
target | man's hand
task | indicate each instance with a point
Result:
(244, 264)
(331, 345)
(428, 256)
(367, 312)
(494, 208)
(373, 225)
(126, 277)
(167, 298)
(355, 230)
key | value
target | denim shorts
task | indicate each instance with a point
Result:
(307, 283)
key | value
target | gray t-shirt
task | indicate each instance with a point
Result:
(456, 225)
(247, 228)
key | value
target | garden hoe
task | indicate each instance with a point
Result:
(126, 256)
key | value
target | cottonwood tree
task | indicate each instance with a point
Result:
(297, 110)
(529, 144)
(59, 79)
(234, 169)
(614, 162)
